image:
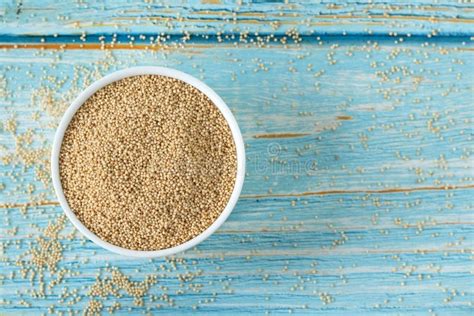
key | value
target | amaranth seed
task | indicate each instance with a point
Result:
(148, 162)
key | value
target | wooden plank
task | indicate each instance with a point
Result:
(410, 125)
(421, 17)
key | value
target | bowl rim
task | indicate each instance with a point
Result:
(136, 71)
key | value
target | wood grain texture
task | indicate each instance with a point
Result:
(420, 17)
(358, 196)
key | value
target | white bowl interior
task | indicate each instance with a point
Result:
(135, 71)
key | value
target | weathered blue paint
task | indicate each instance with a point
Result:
(359, 183)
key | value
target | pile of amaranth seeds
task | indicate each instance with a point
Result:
(148, 162)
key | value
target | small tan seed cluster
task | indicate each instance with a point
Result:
(119, 282)
(148, 162)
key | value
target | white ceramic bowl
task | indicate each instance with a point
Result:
(129, 72)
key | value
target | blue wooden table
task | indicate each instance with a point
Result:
(358, 123)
